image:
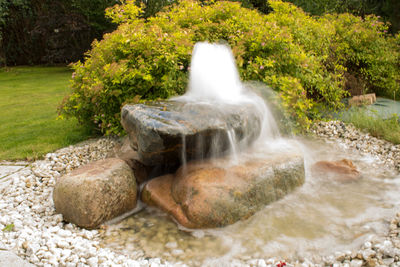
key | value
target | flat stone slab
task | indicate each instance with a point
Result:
(10, 167)
(9, 259)
(171, 132)
(6, 170)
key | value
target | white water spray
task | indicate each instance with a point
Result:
(183, 153)
(213, 74)
(233, 145)
(214, 79)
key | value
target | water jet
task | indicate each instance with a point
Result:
(201, 137)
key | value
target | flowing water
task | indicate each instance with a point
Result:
(214, 80)
(213, 75)
(183, 153)
(233, 145)
(323, 216)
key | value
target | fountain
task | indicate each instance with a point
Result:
(200, 141)
(215, 158)
(217, 114)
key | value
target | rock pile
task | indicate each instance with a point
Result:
(171, 134)
(164, 136)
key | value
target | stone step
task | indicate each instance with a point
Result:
(9, 259)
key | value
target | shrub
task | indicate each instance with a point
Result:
(362, 46)
(302, 57)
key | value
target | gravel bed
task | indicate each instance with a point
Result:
(44, 239)
(39, 234)
(352, 138)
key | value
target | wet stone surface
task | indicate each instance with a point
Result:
(211, 194)
(172, 132)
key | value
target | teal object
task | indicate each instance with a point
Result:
(384, 107)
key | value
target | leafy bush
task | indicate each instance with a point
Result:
(387, 9)
(358, 49)
(152, 7)
(367, 52)
(304, 58)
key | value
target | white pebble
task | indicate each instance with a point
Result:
(356, 263)
(64, 233)
(93, 261)
(367, 245)
(171, 245)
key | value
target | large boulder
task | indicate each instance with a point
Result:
(210, 194)
(96, 192)
(169, 133)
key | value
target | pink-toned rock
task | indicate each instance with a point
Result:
(210, 194)
(157, 193)
(96, 192)
(341, 170)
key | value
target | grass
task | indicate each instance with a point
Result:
(383, 128)
(29, 97)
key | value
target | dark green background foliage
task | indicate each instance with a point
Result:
(389, 10)
(60, 31)
(56, 31)
(50, 31)
(312, 62)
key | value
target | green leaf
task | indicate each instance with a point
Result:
(8, 228)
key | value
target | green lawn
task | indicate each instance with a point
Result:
(29, 97)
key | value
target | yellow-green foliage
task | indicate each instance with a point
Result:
(302, 57)
(364, 48)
